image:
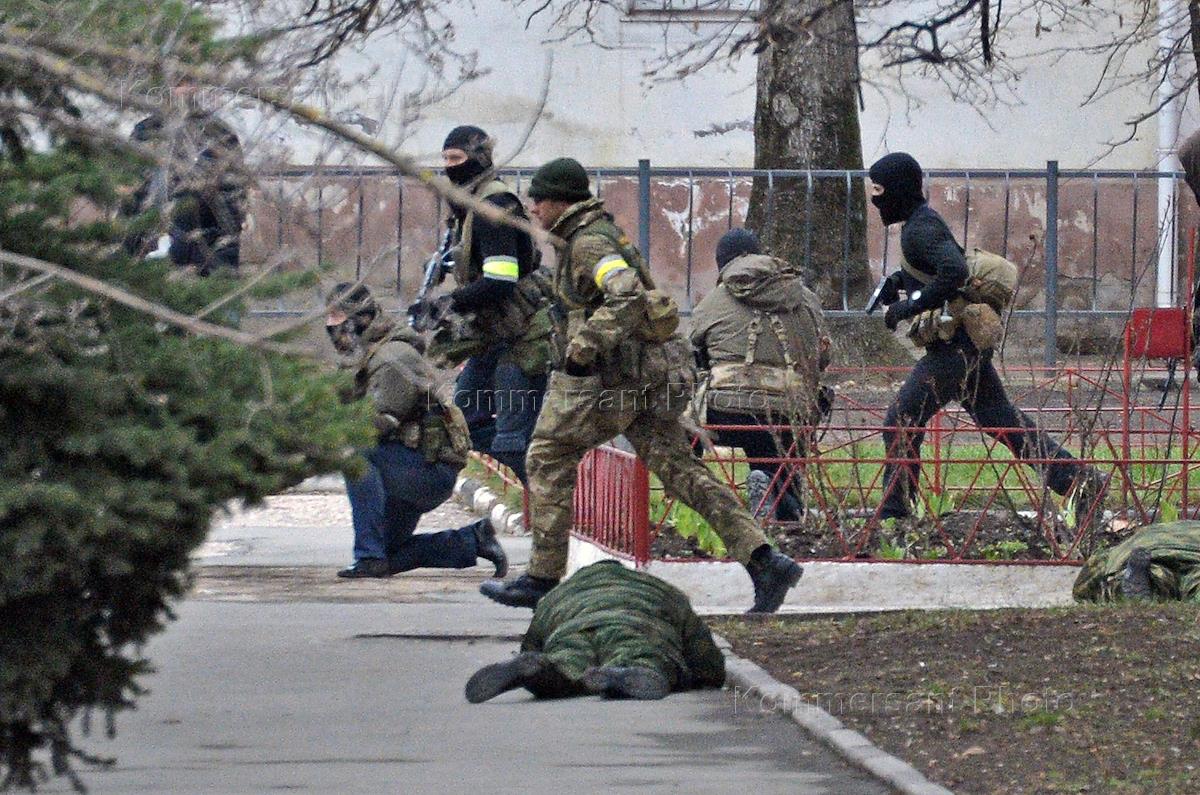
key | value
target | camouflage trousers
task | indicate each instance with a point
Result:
(579, 414)
(572, 650)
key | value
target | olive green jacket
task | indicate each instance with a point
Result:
(761, 333)
(606, 593)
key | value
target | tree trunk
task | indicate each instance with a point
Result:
(806, 117)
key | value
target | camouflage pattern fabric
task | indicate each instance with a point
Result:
(1174, 565)
(607, 614)
(639, 390)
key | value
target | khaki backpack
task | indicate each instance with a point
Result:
(989, 289)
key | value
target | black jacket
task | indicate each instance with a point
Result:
(929, 246)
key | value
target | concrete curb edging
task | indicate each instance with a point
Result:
(485, 503)
(852, 746)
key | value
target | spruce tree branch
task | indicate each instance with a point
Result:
(155, 310)
(246, 286)
(28, 284)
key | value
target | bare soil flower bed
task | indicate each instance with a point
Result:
(1084, 699)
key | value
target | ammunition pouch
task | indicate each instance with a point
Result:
(662, 317)
(456, 339)
(931, 326)
(436, 436)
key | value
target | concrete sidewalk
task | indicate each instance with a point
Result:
(343, 687)
(250, 698)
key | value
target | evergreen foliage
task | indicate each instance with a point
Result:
(119, 438)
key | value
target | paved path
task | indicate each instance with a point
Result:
(279, 677)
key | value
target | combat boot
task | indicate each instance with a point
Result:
(366, 567)
(614, 681)
(524, 591)
(488, 548)
(492, 680)
(773, 575)
(1135, 579)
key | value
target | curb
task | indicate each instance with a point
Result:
(485, 503)
(852, 746)
(469, 492)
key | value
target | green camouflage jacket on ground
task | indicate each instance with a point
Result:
(1174, 564)
(608, 593)
(737, 331)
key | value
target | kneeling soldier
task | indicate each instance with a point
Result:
(423, 442)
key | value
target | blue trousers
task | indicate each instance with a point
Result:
(387, 502)
(500, 403)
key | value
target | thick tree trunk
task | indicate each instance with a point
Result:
(807, 118)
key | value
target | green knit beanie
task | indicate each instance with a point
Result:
(563, 179)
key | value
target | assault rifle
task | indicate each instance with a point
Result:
(423, 314)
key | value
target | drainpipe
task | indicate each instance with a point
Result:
(1168, 133)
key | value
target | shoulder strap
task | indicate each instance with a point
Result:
(919, 275)
(467, 227)
(752, 332)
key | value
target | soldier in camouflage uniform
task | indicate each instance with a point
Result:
(1161, 561)
(608, 630)
(423, 442)
(499, 314)
(760, 335)
(625, 371)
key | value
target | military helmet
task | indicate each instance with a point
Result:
(352, 300)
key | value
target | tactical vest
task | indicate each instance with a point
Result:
(990, 287)
(784, 388)
(466, 270)
(513, 320)
(437, 430)
(662, 313)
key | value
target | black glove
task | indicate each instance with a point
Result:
(576, 370)
(901, 310)
(891, 290)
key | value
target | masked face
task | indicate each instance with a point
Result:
(896, 187)
(460, 168)
(343, 331)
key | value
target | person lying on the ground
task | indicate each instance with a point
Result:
(612, 631)
(1161, 561)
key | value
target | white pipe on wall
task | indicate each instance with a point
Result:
(1168, 134)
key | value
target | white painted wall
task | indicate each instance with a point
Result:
(603, 110)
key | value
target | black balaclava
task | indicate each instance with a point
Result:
(478, 146)
(900, 175)
(360, 308)
(734, 244)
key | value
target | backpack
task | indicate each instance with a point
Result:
(991, 279)
(989, 289)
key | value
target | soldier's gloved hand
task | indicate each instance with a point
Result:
(576, 370)
(891, 290)
(901, 310)
(579, 360)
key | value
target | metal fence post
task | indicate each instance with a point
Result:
(1051, 351)
(644, 209)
